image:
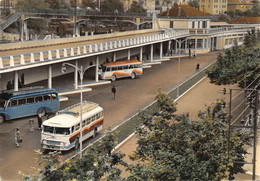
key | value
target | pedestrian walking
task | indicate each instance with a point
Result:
(198, 67)
(194, 55)
(39, 122)
(17, 136)
(31, 125)
(113, 90)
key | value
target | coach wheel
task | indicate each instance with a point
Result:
(133, 75)
(2, 119)
(41, 112)
(77, 143)
(113, 78)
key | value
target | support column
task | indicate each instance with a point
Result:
(151, 52)
(16, 80)
(77, 30)
(76, 75)
(97, 65)
(185, 47)
(141, 53)
(161, 50)
(22, 30)
(26, 31)
(128, 54)
(203, 43)
(169, 47)
(175, 49)
(195, 44)
(114, 57)
(50, 77)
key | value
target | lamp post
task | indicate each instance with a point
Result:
(179, 62)
(81, 72)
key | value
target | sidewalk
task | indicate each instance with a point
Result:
(197, 99)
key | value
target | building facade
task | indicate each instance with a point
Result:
(213, 7)
(242, 5)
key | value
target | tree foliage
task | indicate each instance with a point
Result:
(194, 3)
(173, 147)
(56, 4)
(29, 5)
(97, 162)
(112, 6)
(89, 3)
(240, 64)
(136, 8)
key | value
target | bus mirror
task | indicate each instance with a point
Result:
(63, 69)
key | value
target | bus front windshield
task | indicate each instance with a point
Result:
(56, 130)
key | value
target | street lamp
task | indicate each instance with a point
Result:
(81, 72)
(179, 62)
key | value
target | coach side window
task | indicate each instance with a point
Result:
(14, 103)
(21, 101)
(77, 127)
(38, 99)
(54, 96)
(47, 97)
(30, 100)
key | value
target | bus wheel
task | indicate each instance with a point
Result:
(113, 78)
(41, 112)
(2, 119)
(133, 75)
(77, 143)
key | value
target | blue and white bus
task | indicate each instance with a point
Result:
(28, 102)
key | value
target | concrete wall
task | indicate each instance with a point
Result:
(30, 44)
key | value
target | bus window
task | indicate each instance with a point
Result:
(54, 96)
(21, 101)
(77, 127)
(14, 103)
(30, 100)
(65, 131)
(84, 123)
(131, 66)
(72, 129)
(114, 68)
(47, 97)
(48, 129)
(136, 66)
(108, 69)
(88, 120)
(38, 99)
(120, 68)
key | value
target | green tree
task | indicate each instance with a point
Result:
(173, 147)
(56, 4)
(29, 5)
(136, 8)
(194, 3)
(89, 3)
(238, 65)
(112, 6)
(97, 162)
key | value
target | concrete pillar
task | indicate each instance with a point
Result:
(49, 55)
(11, 61)
(84, 49)
(141, 53)
(65, 54)
(175, 48)
(213, 44)
(114, 56)
(186, 45)
(50, 77)
(71, 51)
(119, 43)
(96, 48)
(203, 43)
(78, 51)
(97, 64)
(22, 59)
(128, 54)
(151, 52)
(106, 46)
(32, 58)
(100, 47)
(77, 30)
(161, 50)
(76, 75)
(1, 63)
(195, 44)
(16, 80)
(22, 30)
(57, 54)
(90, 49)
(26, 30)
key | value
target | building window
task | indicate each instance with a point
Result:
(171, 24)
(204, 24)
(198, 24)
(215, 1)
(193, 24)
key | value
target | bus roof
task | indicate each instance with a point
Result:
(29, 90)
(123, 62)
(67, 117)
(74, 110)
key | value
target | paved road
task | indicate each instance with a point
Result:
(132, 95)
(197, 99)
